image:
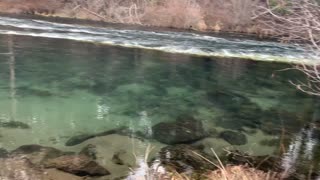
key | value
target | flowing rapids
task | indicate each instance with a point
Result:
(167, 41)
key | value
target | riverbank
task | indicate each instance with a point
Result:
(208, 16)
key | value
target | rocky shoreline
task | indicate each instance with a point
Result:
(44, 163)
(93, 161)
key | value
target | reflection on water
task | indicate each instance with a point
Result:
(58, 91)
(303, 147)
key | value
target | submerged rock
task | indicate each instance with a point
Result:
(54, 174)
(37, 154)
(185, 129)
(240, 111)
(89, 151)
(75, 140)
(26, 90)
(227, 100)
(182, 158)
(48, 157)
(116, 158)
(19, 169)
(3, 153)
(14, 124)
(99, 87)
(77, 164)
(234, 138)
(78, 139)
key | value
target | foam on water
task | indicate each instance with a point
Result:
(172, 42)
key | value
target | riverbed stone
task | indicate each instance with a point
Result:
(185, 129)
(3, 153)
(240, 110)
(116, 158)
(122, 155)
(227, 100)
(89, 150)
(77, 164)
(14, 125)
(78, 139)
(234, 138)
(55, 174)
(26, 90)
(19, 169)
(37, 154)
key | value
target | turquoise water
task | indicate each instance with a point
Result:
(62, 88)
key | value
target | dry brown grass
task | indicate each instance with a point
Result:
(241, 173)
(29, 6)
(119, 11)
(236, 172)
(228, 172)
(175, 13)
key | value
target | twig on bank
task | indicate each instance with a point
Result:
(93, 13)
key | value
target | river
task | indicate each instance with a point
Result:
(64, 80)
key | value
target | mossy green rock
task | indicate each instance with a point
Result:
(185, 129)
(234, 138)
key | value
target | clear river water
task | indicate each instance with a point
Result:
(63, 80)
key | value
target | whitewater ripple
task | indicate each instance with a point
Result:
(167, 41)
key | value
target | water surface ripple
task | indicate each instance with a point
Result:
(168, 41)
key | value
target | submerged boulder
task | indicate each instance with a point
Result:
(55, 174)
(227, 100)
(77, 164)
(89, 150)
(234, 138)
(19, 169)
(14, 124)
(116, 158)
(185, 129)
(240, 110)
(3, 153)
(37, 154)
(78, 139)
(34, 91)
(69, 162)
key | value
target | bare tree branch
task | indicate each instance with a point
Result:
(298, 21)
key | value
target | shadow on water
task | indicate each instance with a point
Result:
(113, 104)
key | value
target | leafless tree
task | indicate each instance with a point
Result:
(312, 86)
(242, 11)
(298, 21)
(123, 11)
